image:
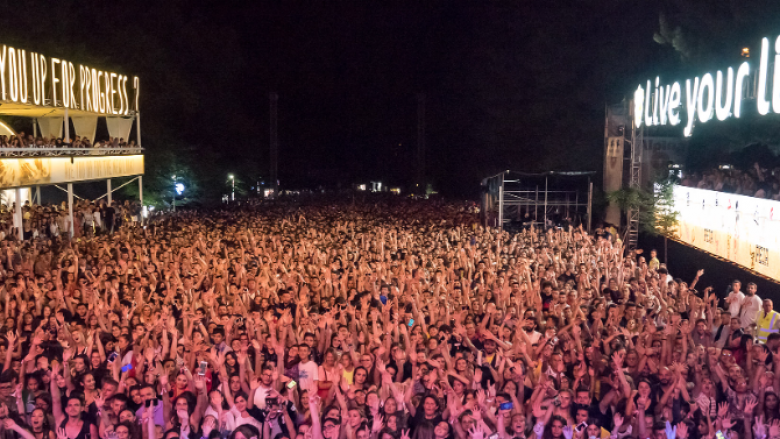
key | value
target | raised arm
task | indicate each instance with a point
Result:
(10, 424)
(56, 396)
(316, 427)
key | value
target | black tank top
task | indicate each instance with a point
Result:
(84, 433)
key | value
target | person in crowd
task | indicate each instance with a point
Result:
(21, 140)
(750, 306)
(757, 182)
(54, 221)
(399, 319)
(735, 298)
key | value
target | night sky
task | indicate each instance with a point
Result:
(518, 85)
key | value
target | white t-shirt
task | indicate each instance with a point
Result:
(227, 423)
(750, 307)
(260, 395)
(736, 304)
(533, 336)
(308, 373)
(239, 420)
(128, 358)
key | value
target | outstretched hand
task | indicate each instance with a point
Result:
(476, 432)
(671, 432)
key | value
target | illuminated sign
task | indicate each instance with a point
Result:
(709, 96)
(741, 229)
(31, 78)
(17, 172)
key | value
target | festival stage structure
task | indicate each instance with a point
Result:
(634, 157)
(740, 229)
(61, 99)
(513, 198)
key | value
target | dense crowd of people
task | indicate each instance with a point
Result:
(53, 221)
(22, 140)
(388, 320)
(757, 182)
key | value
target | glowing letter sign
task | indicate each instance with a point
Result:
(60, 83)
(707, 96)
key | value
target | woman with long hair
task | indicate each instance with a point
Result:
(360, 379)
(127, 430)
(328, 373)
(231, 363)
(240, 404)
(224, 421)
(180, 385)
(555, 428)
(245, 432)
(39, 425)
(88, 385)
(768, 404)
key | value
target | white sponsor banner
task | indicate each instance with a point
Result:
(742, 229)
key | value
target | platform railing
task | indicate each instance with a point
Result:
(68, 152)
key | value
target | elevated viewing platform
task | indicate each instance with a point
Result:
(56, 106)
(68, 167)
(68, 152)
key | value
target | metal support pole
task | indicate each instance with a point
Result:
(485, 208)
(577, 203)
(106, 194)
(141, 189)
(545, 203)
(67, 127)
(173, 201)
(590, 203)
(420, 186)
(501, 207)
(138, 129)
(18, 214)
(35, 128)
(536, 205)
(273, 102)
(70, 207)
(38, 195)
(108, 191)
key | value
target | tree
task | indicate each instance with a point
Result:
(628, 199)
(164, 169)
(656, 210)
(664, 220)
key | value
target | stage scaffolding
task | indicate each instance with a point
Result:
(513, 199)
